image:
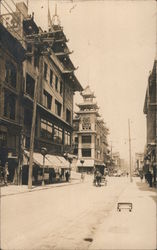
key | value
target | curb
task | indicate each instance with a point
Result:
(40, 189)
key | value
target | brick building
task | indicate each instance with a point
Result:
(12, 55)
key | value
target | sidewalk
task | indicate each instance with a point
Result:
(15, 189)
(130, 230)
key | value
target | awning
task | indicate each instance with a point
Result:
(100, 164)
(51, 161)
(37, 159)
(87, 163)
(64, 162)
(58, 161)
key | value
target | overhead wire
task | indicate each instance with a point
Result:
(21, 39)
(12, 13)
(18, 8)
(15, 18)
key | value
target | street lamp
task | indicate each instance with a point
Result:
(43, 152)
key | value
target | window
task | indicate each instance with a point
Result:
(47, 100)
(58, 135)
(67, 138)
(10, 76)
(58, 108)
(86, 139)
(56, 83)
(98, 142)
(9, 105)
(86, 152)
(76, 140)
(61, 87)
(28, 118)
(46, 129)
(68, 116)
(45, 71)
(30, 83)
(29, 50)
(36, 60)
(51, 77)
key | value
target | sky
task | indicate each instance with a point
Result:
(114, 44)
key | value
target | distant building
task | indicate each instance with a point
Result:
(150, 110)
(139, 158)
(90, 134)
(116, 160)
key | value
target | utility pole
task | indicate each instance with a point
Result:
(130, 160)
(32, 133)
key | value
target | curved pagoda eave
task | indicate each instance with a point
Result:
(88, 112)
(88, 105)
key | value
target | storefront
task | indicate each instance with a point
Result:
(54, 168)
(86, 166)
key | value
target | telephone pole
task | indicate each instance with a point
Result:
(33, 132)
(130, 160)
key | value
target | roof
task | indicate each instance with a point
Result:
(30, 26)
(88, 104)
(88, 112)
(68, 73)
(11, 44)
(87, 92)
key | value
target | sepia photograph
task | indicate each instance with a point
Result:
(78, 124)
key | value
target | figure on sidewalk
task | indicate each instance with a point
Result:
(141, 177)
(67, 175)
(6, 173)
(149, 178)
(82, 177)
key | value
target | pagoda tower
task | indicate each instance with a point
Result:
(89, 133)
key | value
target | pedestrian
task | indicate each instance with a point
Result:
(67, 176)
(6, 173)
(149, 178)
(141, 177)
(82, 177)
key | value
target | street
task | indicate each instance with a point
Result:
(81, 216)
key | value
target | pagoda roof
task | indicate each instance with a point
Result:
(88, 112)
(87, 92)
(88, 105)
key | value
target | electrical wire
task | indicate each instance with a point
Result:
(18, 8)
(21, 39)
(15, 17)
(12, 12)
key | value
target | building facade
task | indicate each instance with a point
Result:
(139, 158)
(150, 110)
(48, 79)
(12, 54)
(90, 134)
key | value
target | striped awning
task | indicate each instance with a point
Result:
(51, 161)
